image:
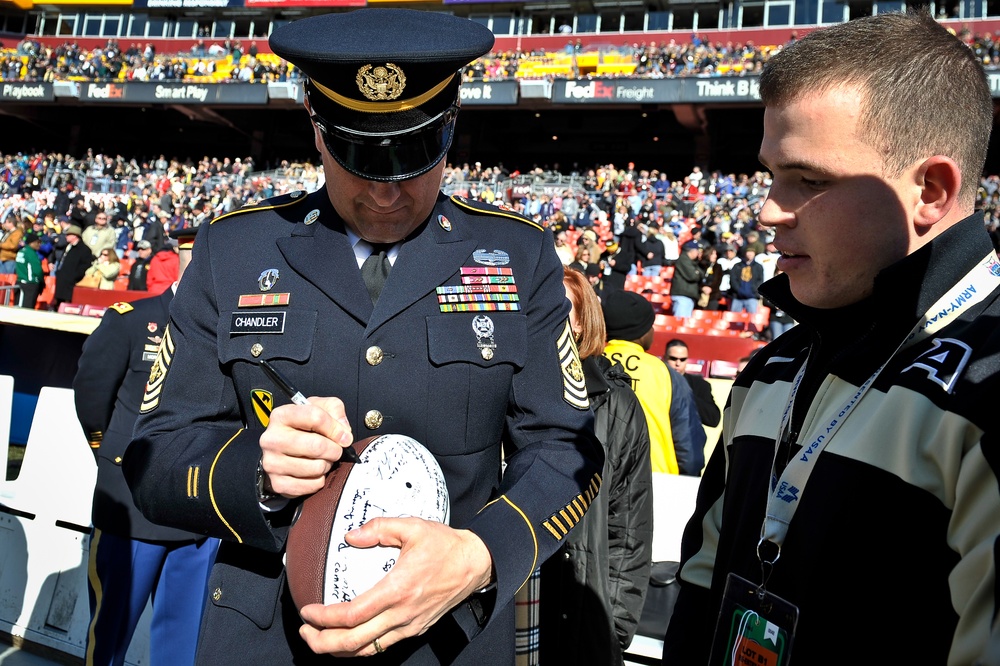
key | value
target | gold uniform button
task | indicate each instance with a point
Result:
(374, 355)
(118, 460)
(216, 594)
(257, 350)
(373, 419)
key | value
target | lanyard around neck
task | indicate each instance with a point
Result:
(786, 490)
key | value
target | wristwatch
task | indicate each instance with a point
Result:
(264, 493)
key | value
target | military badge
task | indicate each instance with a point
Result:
(157, 374)
(267, 279)
(152, 326)
(494, 258)
(311, 217)
(381, 83)
(574, 385)
(263, 402)
(482, 326)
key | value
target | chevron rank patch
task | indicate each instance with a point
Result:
(157, 374)
(263, 402)
(561, 522)
(574, 386)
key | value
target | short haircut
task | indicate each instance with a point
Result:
(593, 335)
(676, 342)
(924, 92)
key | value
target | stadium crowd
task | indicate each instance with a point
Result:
(234, 61)
(592, 213)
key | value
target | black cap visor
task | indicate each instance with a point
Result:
(391, 156)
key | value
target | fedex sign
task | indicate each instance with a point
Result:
(589, 90)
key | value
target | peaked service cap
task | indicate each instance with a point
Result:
(383, 84)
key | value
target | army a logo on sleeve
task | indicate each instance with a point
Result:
(944, 362)
(574, 386)
(158, 373)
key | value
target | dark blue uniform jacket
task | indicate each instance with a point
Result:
(108, 387)
(280, 281)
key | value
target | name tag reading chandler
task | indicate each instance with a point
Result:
(257, 322)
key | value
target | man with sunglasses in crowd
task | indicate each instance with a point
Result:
(410, 313)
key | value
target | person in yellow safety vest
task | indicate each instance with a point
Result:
(677, 440)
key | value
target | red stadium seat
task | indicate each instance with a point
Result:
(93, 310)
(723, 369)
(48, 293)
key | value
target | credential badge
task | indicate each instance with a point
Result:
(380, 83)
(267, 279)
(482, 326)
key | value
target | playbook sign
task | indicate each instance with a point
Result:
(26, 92)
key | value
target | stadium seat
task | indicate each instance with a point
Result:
(707, 315)
(697, 366)
(48, 293)
(93, 310)
(723, 369)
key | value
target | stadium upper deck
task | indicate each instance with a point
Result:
(526, 25)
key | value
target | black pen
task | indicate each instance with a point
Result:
(348, 454)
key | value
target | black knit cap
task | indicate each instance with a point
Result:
(384, 83)
(627, 315)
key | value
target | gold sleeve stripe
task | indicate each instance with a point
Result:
(498, 211)
(561, 522)
(211, 487)
(192, 481)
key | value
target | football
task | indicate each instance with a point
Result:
(396, 476)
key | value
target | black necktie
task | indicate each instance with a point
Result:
(376, 269)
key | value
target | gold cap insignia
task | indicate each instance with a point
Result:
(381, 83)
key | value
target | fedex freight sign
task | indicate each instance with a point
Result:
(614, 91)
(585, 91)
(719, 89)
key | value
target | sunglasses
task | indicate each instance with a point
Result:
(678, 358)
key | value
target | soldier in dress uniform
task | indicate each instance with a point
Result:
(131, 558)
(467, 349)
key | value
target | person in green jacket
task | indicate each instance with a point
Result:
(29, 271)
